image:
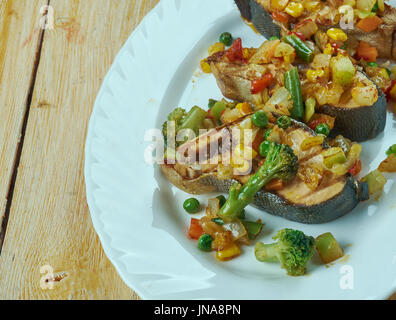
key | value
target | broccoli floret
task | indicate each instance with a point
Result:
(293, 250)
(177, 116)
(281, 163)
(180, 119)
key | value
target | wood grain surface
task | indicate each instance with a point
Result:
(49, 225)
(48, 84)
(19, 39)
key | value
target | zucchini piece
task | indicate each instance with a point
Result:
(253, 228)
(194, 119)
(375, 180)
(328, 248)
(343, 70)
(216, 110)
(332, 156)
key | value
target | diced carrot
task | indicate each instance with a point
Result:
(280, 17)
(274, 185)
(366, 52)
(195, 230)
(260, 84)
(369, 24)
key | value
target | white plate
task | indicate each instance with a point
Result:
(139, 216)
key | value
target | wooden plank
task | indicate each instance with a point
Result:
(49, 221)
(19, 37)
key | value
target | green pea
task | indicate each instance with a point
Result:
(267, 133)
(222, 200)
(273, 38)
(264, 148)
(191, 205)
(392, 149)
(322, 128)
(284, 122)
(372, 64)
(218, 221)
(226, 38)
(211, 103)
(205, 242)
(260, 119)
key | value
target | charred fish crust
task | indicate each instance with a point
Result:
(361, 123)
(332, 209)
(262, 20)
(244, 8)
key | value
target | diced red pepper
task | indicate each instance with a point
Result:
(195, 230)
(321, 118)
(235, 52)
(260, 84)
(356, 168)
(282, 17)
(298, 34)
(315, 123)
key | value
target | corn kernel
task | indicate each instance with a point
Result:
(311, 5)
(295, 9)
(228, 253)
(314, 75)
(217, 47)
(205, 66)
(337, 34)
(278, 5)
(329, 49)
(244, 108)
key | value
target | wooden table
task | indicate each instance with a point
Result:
(49, 79)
